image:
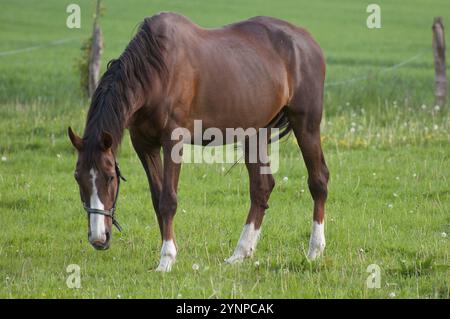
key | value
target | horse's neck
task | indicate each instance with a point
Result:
(111, 113)
(138, 100)
(115, 103)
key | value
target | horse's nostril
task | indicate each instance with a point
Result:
(108, 235)
(98, 245)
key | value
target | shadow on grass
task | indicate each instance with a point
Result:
(302, 265)
(15, 204)
(415, 268)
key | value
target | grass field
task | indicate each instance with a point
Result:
(386, 144)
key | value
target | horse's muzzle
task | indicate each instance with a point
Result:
(100, 243)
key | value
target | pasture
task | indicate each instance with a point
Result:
(385, 142)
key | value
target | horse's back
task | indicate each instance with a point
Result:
(252, 67)
(273, 35)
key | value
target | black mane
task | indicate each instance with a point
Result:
(141, 61)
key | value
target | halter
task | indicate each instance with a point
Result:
(110, 212)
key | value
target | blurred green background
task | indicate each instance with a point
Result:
(352, 50)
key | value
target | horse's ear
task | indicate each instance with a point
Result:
(77, 142)
(107, 141)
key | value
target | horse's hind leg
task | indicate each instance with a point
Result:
(261, 185)
(305, 113)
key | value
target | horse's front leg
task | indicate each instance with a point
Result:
(149, 154)
(168, 206)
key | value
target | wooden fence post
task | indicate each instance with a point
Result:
(96, 53)
(439, 62)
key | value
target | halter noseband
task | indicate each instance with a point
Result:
(110, 212)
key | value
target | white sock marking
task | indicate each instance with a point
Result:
(168, 256)
(96, 221)
(317, 240)
(246, 245)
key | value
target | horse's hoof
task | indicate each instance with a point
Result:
(168, 255)
(316, 248)
(165, 264)
(317, 241)
(315, 252)
(234, 259)
(239, 255)
(246, 245)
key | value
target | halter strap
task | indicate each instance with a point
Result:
(110, 212)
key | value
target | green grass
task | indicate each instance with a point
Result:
(386, 145)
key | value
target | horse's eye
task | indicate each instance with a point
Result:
(110, 178)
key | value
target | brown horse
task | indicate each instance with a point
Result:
(262, 72)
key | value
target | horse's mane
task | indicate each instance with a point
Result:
(137, 66)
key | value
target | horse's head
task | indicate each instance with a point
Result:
(98, 178)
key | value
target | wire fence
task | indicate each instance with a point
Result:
(383, 70)
(36, 47)
(328, 84)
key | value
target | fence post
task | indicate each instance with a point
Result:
(96, 53)
(439, 62)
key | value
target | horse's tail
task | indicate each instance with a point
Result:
(281, 122)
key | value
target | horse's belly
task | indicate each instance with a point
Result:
(244, 101)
